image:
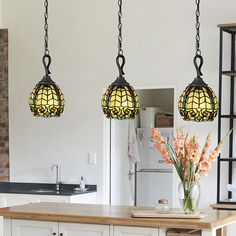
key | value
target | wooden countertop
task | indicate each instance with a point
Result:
(224, 206)
(230, 27)
(115, 215)
(227, 25)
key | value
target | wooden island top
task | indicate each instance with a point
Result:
(112, 215)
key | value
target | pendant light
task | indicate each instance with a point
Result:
(46, 100)
(198, 101)
(120, 100)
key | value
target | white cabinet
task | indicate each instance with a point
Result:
(134, 231)
(34, 228)
(47, 228)
(8, 200)
(87, 198)
(11, 199)
(72, 229)
(17, 227)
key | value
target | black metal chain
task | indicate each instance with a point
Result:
(120, 51)
(46, 52)
(46, 58)
(197, 25)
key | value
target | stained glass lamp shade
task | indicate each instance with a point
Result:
(198, 102)
(120, 100)
(46, 100)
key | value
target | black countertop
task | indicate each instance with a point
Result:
(44, 188)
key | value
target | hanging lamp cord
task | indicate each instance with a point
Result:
(120, 51)
(120, 59)
(46, 57)
(198, 51)
(197, 26)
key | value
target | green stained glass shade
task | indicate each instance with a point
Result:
(198, 103)
(46, 100)
(120, 102)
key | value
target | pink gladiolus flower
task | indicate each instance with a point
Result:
(215, 153)
(167, 159)
(206, 146)
(205, 166)
(196, 153)
(185, 154)
(158, 146)
(197, 176)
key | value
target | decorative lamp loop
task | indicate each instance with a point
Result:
(46, 63)
(121, 64)
(198, 67)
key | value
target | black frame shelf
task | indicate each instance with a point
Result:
(229, 28)
(228, 116)
(231, 73)
(228, 203)
(228, 159)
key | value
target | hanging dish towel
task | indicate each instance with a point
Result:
(132, 154)
(132, 144)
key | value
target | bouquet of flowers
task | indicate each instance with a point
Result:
(189, 161)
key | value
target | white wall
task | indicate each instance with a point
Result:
(158, 45)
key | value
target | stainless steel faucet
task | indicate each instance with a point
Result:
(57, 176)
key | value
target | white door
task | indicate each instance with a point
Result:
(134, 231)
(34, 228)
(74, 229)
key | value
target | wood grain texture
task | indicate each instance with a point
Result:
(229, 73)
(230, 27)
(224, 206)
(115, 215)
(221, 232)
(227, 25)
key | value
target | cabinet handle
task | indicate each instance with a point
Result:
(61, 234)
(54, 233)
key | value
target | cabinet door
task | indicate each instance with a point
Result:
(74, 229)
(34, 228)
(51, 198)
(8, 200)
(134, 231)
(87, 198)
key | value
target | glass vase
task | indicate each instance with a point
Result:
(189, 195)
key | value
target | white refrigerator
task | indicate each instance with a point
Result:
(154, 178)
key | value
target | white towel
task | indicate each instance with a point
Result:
(133, 156)
(132, 144)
